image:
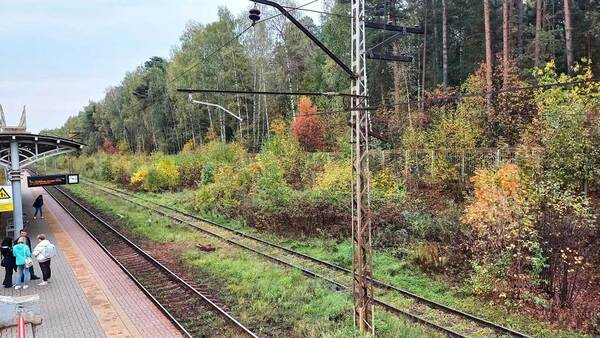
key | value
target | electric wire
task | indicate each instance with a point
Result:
(220, 48)
(427, 100)
(461, 96)
(275, 93)
(319, 12)
(452, 97)
(291, 9)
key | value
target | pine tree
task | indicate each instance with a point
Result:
(538, 30)
(568, 34)
(488, 54)
(444, 45)
(505, 40)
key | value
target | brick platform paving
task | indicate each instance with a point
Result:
(90, 296)
(63, 303)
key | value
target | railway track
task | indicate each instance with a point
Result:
(186, 304)
(450, 321)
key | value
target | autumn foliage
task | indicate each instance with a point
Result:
(108, 146)
(308, 128)
(500, 210)
(502, 217)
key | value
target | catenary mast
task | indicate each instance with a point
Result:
(361, 223)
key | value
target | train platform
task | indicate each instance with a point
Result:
(89, 295)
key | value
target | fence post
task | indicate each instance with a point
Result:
(406, 165)
(462, 166)
(497, 156)
(382, 158)
(432, 162)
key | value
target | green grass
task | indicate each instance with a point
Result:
(288, 300)
(261, 293)
(401, 273)
(398, 272)
(138, 221)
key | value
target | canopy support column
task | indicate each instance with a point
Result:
(15, 180)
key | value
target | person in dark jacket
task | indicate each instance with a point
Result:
(23, 233)
(38, 204)
(8, 262)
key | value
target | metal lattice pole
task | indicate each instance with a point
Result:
(361, 224)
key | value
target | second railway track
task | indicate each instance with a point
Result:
(450, 321)
(192, 311)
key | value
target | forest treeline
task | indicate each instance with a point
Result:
(145, 113)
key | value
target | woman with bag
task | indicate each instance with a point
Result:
(43, 252)
(24, 261)
(8, 262)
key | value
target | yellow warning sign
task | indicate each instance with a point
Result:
(3, 194)
(6, 201)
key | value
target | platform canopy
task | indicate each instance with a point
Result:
(33, 148)
(20, 149)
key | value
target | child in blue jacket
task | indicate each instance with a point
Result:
(21, 252)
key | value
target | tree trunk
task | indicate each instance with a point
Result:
(564, 285)
(193, 130)
(568, 35)
(444, 46)
(505, 40)
(520, 26)
(288, 67)
(395, 65)
(538, 31)
(222, 127)
(405, 73)
(589, 39)
(424, 61)
(265, 125)
(397, 82)
(435, 44)
(255, 107)
(488, 54)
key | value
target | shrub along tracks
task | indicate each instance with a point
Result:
(398, 301)
(185, 303)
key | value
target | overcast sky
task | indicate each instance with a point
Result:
(56, 55)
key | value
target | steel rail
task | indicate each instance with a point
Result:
(152, 260)
(127, 272)
(379, 283)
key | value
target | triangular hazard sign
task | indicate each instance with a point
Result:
(3, 194)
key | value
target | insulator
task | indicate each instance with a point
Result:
(254, 15)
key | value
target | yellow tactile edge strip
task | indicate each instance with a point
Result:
(113, 319)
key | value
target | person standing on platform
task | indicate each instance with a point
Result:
(43, 252)
(38, 204)
(23, 233)
(23, 259)
(8, 262)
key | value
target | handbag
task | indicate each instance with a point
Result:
(28, 262)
